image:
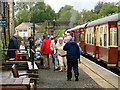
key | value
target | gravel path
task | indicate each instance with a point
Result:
(56, 79)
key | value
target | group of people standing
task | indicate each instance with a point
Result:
(63, 51)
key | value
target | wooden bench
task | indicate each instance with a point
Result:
(15, 83)
(16, 75)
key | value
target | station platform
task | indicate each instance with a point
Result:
(91, 75)
(88, 78)
(56, 79)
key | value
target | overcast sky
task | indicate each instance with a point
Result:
(77, 4)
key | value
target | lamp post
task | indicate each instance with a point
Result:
(4, 6)
(33, 45)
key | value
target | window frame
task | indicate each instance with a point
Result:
(113, 30)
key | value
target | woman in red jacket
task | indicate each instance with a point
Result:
(45, 51)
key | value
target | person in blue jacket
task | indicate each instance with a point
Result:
(13, 44)
(73, 54)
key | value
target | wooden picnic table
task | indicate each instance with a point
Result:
(21, 54)
(15, 83)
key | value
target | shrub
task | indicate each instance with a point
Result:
(1, 52)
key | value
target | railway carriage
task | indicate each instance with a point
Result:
(100, 39)
(80, 30)
(78, 34)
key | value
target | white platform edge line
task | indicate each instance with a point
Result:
(101, 67)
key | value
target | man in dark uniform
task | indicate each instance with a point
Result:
(31, 41)
(13, 44)
(73, 54)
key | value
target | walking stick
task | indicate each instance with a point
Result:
(54, 62)
(55, 59)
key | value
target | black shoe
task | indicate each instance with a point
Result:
(68, 79)
(76, 78)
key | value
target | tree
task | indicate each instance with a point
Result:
(33, 12)
(20, 5)
(40, 12)
(67, 13)
(22, 16)
(108, 9)
(98, 7)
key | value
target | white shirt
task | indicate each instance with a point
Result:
(22, 48)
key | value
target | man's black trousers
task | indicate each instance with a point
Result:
(72, 63)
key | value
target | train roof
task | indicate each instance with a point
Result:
(77, 27)
(115, 17)
(80, 26)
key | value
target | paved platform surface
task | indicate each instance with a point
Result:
(107, 75)
(56, 79)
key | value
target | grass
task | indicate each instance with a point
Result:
(59, 32)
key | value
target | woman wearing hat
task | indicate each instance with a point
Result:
(61, 54)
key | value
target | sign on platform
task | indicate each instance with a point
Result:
(3, 23)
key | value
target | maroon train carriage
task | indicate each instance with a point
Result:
(79, 36)
(100, 39)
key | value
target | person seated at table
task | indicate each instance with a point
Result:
(22, 49)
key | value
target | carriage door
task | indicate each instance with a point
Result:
(73, 33)
(82, 39)
(119, 42)
(77, 36)
(94, 38)
(113, 48)
(96, 41)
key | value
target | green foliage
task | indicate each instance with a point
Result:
(20, 5)
(98, 7)
(1, 52)
(33, 12)
(22, 16)
(59, 32)
(100, 10)
(37, 12)
(108, 9)
(41, 12)
(67, 13)
(19, 39)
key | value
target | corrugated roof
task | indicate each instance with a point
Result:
(107, 19)
(31, 24)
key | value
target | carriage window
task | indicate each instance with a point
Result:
(90, 39)
(115, 38)
(101, 36)
(82, 36)
(105, 39)
(93, 39)
(100, 39)
(87, 38)
(111, 39)
(105, 36)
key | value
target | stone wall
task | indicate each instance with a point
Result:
(7, 13)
